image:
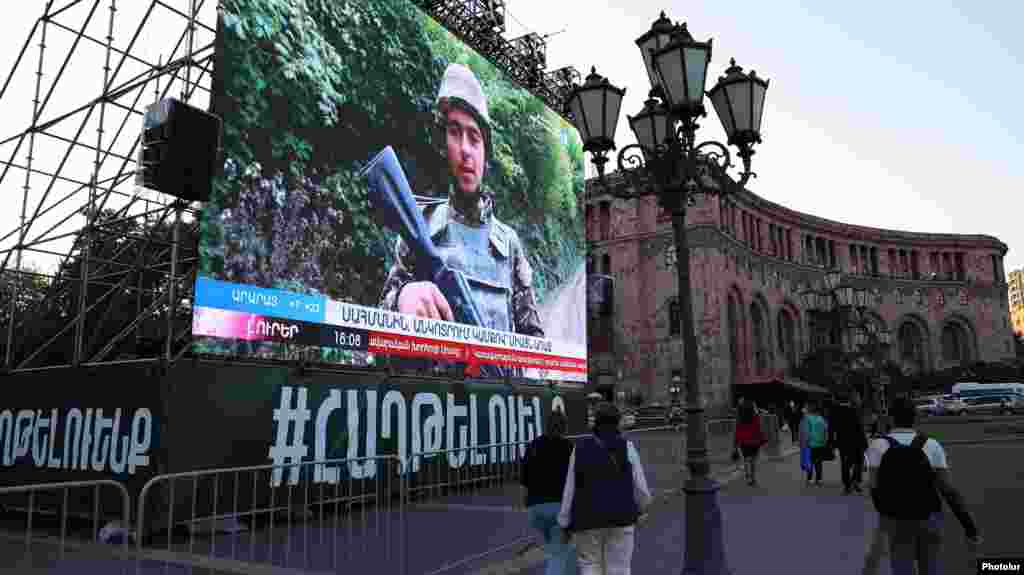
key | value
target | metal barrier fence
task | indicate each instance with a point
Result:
(54, 535)
(319, 515)
(475, 494)
(462, 505)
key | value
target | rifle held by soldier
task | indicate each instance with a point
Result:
(394, 207)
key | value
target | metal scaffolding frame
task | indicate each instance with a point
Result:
(481, 23)
(110, 242)
(113, 244)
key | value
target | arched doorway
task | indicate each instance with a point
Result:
(787, 337)
(760, 335)
(957, 346)
(911, 346)
(734, 326)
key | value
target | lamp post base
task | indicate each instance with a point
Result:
(705, 544)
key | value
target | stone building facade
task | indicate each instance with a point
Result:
(942, 296)
(1016, 295)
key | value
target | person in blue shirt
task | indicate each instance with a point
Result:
(814, 435)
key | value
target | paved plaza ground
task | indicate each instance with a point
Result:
(779, 526)
(783, 526)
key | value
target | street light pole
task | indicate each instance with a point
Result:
(848, 309)
(705, 549)
(667, 163)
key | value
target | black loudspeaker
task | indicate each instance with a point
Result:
(179, 150)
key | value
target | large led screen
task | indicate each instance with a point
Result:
(388, 197)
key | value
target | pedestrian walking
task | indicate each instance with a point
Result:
(909, 478)
(794, 416)
(749, 438)
(814, 437)
(875, 551)
(605, 494)
(852, 442)
(543, 472)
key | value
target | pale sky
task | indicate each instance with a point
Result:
(898, 115)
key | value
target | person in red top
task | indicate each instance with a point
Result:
(749, 438)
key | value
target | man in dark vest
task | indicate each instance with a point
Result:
(605, 494)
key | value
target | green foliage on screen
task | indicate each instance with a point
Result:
(315, 88)
(312, 89)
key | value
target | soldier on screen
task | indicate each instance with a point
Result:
(463, 226)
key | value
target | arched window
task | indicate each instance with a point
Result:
(787, 336)
(761, 350)
(910, 343)
(955, 346)
(733, 319)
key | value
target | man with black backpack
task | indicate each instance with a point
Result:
(909, 479)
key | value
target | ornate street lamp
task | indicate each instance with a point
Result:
(862, 298)
(872, 329)
(682, 68)
(653, 40)
(667, 162)
(845, 296)
(826, 303)
(595, 109)
(739, 102)
(848, 307)
(809, 299)
(651, 125)
(832, 279)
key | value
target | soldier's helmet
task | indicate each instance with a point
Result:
(461, 88)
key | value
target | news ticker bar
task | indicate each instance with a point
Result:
(276, 303)
(227, 324)
(319, 310)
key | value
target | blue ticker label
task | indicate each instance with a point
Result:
(262, 301)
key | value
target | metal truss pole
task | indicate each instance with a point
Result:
(93, 184)
(17, 275)
(172, 284)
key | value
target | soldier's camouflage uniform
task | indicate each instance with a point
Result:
(491, 256)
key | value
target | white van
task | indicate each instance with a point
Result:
(991, 397)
